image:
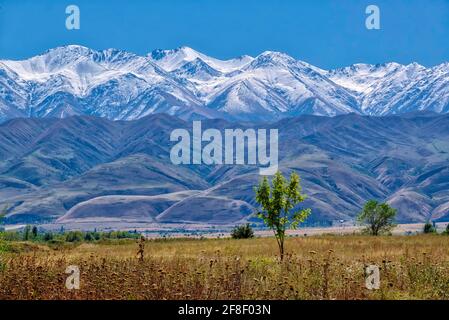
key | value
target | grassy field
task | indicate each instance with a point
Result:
(318, 267)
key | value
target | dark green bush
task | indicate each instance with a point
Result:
(48, 236)
(74, 236)
(429, 228)
(242, 232)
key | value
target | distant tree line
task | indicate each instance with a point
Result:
(32, 233)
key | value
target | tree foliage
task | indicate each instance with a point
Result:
(278, 203)
(378, 217)
(26, 233)
(429, 228)
(242, 232)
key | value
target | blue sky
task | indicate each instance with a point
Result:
(326, 33)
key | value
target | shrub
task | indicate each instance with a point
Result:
(429, 228)
(4, 246)
(11, 236)
(34, 232)
(242, 232)
(48, 236)
(89, 236)
(74, 236)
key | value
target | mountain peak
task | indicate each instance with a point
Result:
(197, 69)
(171, 60)
(274, 55)
(159, 54)
(271, 58)
(113, 55)
(184, 82)
(67, 50)
(175, 58)
(416, 65)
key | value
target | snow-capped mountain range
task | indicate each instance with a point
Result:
(117, 84)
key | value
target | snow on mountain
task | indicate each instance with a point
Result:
(394, 88)
(110, 83)
(183, 82)
(197, 70)
(13, 93)
(360, 77)
(275, 84)
(171, 60)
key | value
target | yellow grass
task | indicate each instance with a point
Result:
(319, 267)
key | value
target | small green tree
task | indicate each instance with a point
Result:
(34, 232)
(242, 232)
(277, 205)
(429, 228)
(379, 217)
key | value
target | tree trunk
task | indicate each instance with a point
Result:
(281, 248)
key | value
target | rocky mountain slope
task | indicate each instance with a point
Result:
(68, 168)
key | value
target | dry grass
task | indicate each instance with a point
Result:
(322, 267)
